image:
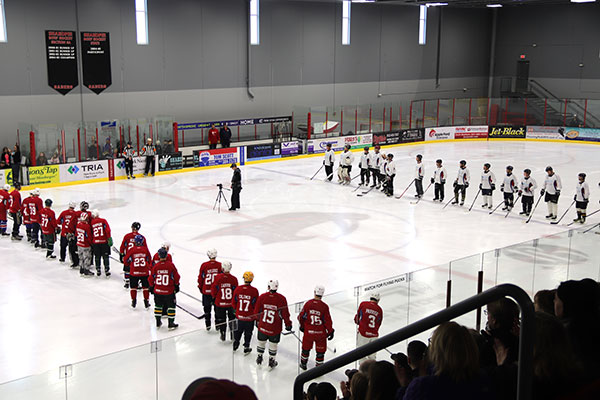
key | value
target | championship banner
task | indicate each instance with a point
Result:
(61, 59)
(507, 132)
(263, 151)
(209, 158)
(545, 132)
(83, 171)
(588, 134)
(169, 162)
(289, 149)
(43, 175)
(441, 133)
(95, 61)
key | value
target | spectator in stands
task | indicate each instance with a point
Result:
(210, 388)
(225, 136)
(168, 147)
(576, 304)
(325, 391)
(502, 330)
(365, 366)
(107, 151)
(3, 164)
(93, 150)
(6, 157)
(16, 163)
(543, 301)
(310, 392)
(404, 373)
(417, 357)
(383, 384)
(54, 159)
(213, 137)
(359, 385)
(453, 353)
(41, 159)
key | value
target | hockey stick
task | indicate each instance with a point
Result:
(510, 209)
(565, 213)
(419, 199)
(189, 312)
(365, 193)
(313, 177)
(589, 229)
(190, 296)
(475, 199)
(448, 202)
(587, 216)
(408, 187)
(358, 187)
(534, 208)
(354, 177)
(333, 350)
(497, 207)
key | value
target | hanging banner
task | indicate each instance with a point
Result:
(95, 61)
(61, 59)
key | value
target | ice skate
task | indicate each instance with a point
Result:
(133, 303)
(172, 324)
(259, 359)
(272, 363)
(236, 345)
(247, 350)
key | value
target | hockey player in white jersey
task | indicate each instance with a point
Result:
(439, 178)
(509, 187)
(376, 159)
(365, 164)
(551, 192)
(329, 162)
(487, 185)
(461, 183)
(527, 190)
(382, 167)
(582, 198)
(390, 174)
(346, 161)
(419, 175)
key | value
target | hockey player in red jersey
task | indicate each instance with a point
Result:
(67, 219)
(26, 218)
(138, 260)
(164, 283)
(14, 208)
(34, 207)
(206, 277)
(368, 318)
(317, 326)
(270, 311)
(83, 209)
(83, 233)
(244, 301)
(127, 243)
(49, 228)
(4, 199)
(166, 246)
(101, 242)
(222, 293)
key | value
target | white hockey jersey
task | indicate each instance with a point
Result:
(487, 179)
(528, 186)
(390, 168)
(463, 177)
(382, 165)
(439, 175)
(419, 171)
(374, 160)
(510, 184)
(347, 158)
(552, 184)
(329, 158)
(582, 193)
(365, 160)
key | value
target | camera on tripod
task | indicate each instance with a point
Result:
(220, 185)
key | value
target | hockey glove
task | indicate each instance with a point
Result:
(177, 288)
(558, 193)
(493, 186)
(121, 257)
(543, 192)
(256, 323)
(455, 184)
(330, 337)
(432, 180)
(110, 241)
(466, 184)
(301, 328)
(151, 289)
(480, 186)
(520, 192)
(288, 328)
(443, 181)
(575, 198)
(57, 230)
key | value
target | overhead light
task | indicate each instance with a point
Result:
(493, 5)
(436, 4)
(364, 1)
(583, 1)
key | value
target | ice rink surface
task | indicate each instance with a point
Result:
(289, 228)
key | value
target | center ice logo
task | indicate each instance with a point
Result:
(73, 169)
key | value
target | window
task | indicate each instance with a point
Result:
(2, 22)
(254, 23)
(423, 25)
(141, 21)
(346, 22)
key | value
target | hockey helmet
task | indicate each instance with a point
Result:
(83, 217)
(527, 171)
(390, 156)
(138, 240)
(48, 203)
(347, 147)
(72, 204)
(6, 187)
(509, 167)
(162, 253)
(319, 290)
(549, 168)
(273, 285)
(166, 245)
(463, 162)
(487, 165)
(419, 157)
(95, 213)
(366, 148)
(375, 296)
(36, 191)
(149, 140)
(438, 161)
(248, 276)
(226, 267)
(582, 176)
(212, 253)
(84, 205)
(136, 226)
(328, 145)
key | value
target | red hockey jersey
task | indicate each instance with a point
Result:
(315, 318)
(164, 277)
(138, 260)
(129, 241)
(222, 289)
(33, 208)
(48, 221)
(206, 277)
(4, 198)
(67, 221)
(100, 231)
(244, 301)
(156, 258)
(84, 234)
(14, 202)
(271, 310)
(368, 318)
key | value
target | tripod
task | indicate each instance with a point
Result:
(220, 196)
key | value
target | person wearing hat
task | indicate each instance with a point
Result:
(461, 183)
(317, 326)
(149, 150)
(329, 161)
(128, 153)
(487, 185)
(236, 187)
(509, 187)
(164, 283)
(4, 199)
(14, 209)
(346, 161)
(527, 189)
(368, 318)
(551, 192)
(582, 198)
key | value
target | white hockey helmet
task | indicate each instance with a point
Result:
(72, 204)
(375, 296)
(319, 290)
(166, 245)
(36, 191)
(95, 213)
(273, 284)
(212, 253)
(6, 187)
(226, 266)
